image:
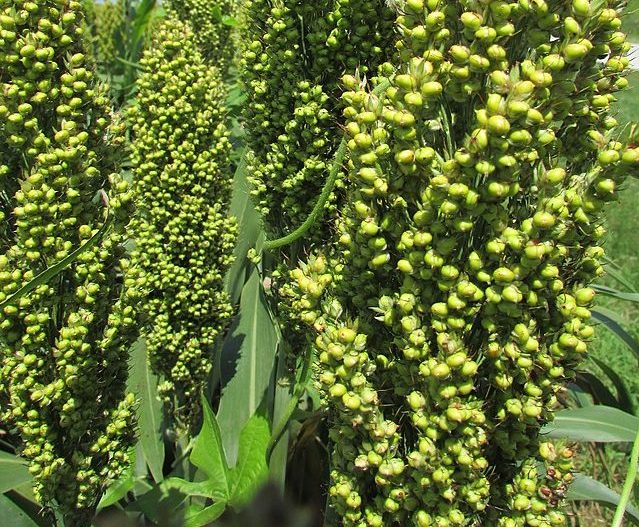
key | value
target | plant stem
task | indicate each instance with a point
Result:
(318, 210)
(628, 485)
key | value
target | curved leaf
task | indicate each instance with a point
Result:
(13, 472)
(585, 488)
(205, 516)
(615, 293)
(624, 398)
(597, 389)
(598, 424)
(56, 269)
(612, 322)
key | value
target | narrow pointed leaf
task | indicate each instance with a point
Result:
(144, 384)
(599, 391)
(624, 398)
(249, 230)
(585, 488)
(208, 455)
(612, 322)
(13, 472)
(247, 364)
(615, 293)
(599, 424)
(56, 269)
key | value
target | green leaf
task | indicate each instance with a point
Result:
(205, 516)
(247, 363)
(612, 322)
(585, 488)
(625, 400)
(615, 293)
(208, 455)
(598, 424)
(614, 271)
(144, 384)
(13, 472)
(13, 515)
(56, 269)
(251, 469)
(593, 385)
(249, 231)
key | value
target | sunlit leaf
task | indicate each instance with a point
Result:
(13, 472)
(247, 362)
(599, 424)
(585, 488)
(251, 469)
(144, 384)
(208, 455)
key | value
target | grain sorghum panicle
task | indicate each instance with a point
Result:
(64, 346)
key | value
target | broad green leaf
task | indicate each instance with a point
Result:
(208, 455)
(144, 384)
(13, 472)
(585, 488)
(12, 515)
(612, 322)
(251, 469)
(202, 489)
(599, 424)
(120, 488)
(249, 230)
(247, 364)
(205, 516)
(282, 388)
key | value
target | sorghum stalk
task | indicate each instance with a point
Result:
(458, 304)
(63, 346)
(184, 235)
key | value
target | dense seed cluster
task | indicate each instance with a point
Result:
(184, 237)
(107, 31)
(294, 54)
(63, 347)
(457, 305)
(213, 35)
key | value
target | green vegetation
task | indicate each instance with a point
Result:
(352, 248)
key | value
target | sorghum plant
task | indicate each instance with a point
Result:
(183, 234)
(456, 305)
(63, 346)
